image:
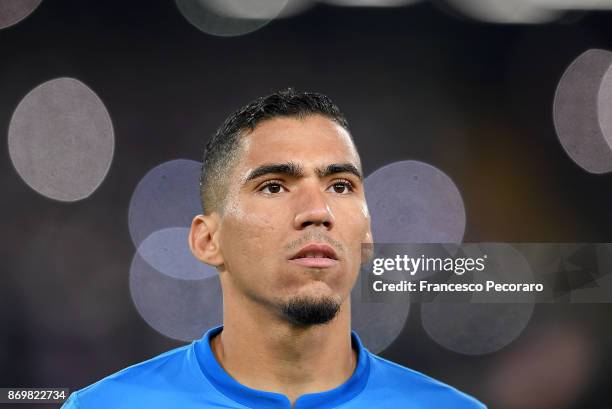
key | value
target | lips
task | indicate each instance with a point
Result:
(315, 255)
(315, 251)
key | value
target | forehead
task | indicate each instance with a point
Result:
(312, 140)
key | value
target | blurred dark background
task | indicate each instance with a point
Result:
(421, 82)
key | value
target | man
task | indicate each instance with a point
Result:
(285, 220)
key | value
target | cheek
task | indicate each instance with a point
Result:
(356, 229)
(246, 235)
(356, 222)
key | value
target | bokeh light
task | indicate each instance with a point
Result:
(167, 251)
(13, 11)
(604, 106)
(167, 196)
(474, 329)
(413, 202)
(506, 11)
(548, 369)
(372, 3)
(378, 324)
(177, 308)
(61, 140)
(575, 4)
(409, 202)
(490, 322)
(296, 7)
(575, 111)
(228, 18)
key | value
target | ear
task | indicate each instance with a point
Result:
(204, 239)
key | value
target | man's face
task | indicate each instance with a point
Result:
(294, 186)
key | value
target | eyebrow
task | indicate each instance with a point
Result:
(293, 169)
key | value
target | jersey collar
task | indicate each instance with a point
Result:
(253, 398)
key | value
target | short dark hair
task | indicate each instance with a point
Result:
(221, 150)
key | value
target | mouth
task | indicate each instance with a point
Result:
(315, 255)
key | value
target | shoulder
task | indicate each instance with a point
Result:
(160, 373)
(406, 383)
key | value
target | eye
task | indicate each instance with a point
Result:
(271, 187)
(343, 187)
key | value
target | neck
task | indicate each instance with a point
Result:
(266, 352)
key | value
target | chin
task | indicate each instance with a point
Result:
(317, 290)
(311, 309)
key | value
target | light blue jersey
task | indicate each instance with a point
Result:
(190, 377)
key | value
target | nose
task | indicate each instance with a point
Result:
(313, 209)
